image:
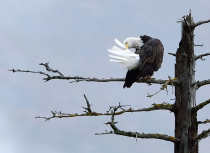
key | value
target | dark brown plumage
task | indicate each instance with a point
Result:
(151, 57)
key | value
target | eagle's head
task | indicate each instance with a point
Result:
(133, 42)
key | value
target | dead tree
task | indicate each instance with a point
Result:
(185, 110)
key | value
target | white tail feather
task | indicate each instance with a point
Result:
(125, 57)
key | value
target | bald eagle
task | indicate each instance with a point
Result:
(147, 58)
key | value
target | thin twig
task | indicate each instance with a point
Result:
(199, 45)
(164, 86)
(87, 79)
(173, 54)
(28, 71)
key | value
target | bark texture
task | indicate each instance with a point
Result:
(185, 122)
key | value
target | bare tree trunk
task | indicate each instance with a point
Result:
(185, 122)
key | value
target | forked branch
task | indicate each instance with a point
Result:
(46, 65)
(201, 56)
(89, 112)
(136, 134)
(56, 114)
(87, 79)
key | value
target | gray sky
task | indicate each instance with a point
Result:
(73, 36)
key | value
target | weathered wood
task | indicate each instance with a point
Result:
(185, 127)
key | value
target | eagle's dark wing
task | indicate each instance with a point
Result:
(159, 49)
(151, 57)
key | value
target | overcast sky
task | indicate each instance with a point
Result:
(73, 36)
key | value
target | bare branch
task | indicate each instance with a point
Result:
(202, 83)
(136, 134)
(201, 136)
(66, 115)
(163, 106)
(164, 86)
(147, 136)
(88, 106)
(27, 71)
(103, 133)
(173, 54)
(200, 106)
(77, 78)
(115, 108)
(201, 22)
(46, 65)
(204, 122)
(180, 20)
(199, 45)
(141, 135)
(201, 56)
(87, 79)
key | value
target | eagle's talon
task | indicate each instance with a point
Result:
(147, 78)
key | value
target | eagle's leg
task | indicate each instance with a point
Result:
(147, 78)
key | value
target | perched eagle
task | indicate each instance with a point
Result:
(147, 58)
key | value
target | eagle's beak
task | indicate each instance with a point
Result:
(126, 45)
